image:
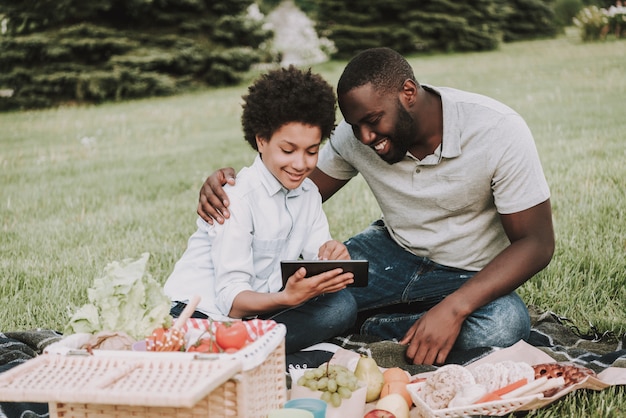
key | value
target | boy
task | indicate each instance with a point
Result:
(276, 214)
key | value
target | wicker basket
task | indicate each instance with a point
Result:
(133, 384)
(494, 408)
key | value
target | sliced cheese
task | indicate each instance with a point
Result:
(536, 386)
(527, 389)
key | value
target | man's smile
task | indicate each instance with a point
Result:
(381, 146)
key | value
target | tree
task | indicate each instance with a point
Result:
(57, 51)
(531, 19)
(411, 26)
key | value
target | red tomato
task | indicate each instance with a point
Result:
(205, 345)
(231, 335)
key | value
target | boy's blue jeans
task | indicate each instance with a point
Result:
(316, 320)
(402, 286)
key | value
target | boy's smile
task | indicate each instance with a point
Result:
(291, 153)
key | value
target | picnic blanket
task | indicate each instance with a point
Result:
(15, 349)
(556, 336)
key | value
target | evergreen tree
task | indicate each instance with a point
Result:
(531, 19)
(56, 51)
(410, 26)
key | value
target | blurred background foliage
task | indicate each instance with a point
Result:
(56, 52)
(60, 51)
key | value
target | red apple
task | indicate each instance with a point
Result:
(379, 413)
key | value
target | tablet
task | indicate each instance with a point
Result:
(314, 267)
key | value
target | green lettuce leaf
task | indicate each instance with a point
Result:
(126, 299)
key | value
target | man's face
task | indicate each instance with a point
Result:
(379, 121)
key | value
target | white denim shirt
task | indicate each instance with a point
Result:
(268, 223)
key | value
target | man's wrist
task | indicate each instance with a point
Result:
(459, 305)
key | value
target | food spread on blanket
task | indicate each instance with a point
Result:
(126, 302)
(393, 392)
(454, 386)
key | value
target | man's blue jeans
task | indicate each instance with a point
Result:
(402, 286)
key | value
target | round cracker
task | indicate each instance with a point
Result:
(442, 385)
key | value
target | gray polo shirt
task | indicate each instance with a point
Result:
(447, 209)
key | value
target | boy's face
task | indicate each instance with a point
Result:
(291, 153)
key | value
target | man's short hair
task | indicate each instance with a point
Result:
(386, 69)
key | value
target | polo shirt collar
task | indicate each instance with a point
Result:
(271, 184)
(451, 131)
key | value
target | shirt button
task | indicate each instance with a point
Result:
(417, 171)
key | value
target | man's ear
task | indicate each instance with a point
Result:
(408, 93)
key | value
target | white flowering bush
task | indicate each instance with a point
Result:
(595, 23)
(591, 21)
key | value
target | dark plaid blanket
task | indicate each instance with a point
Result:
(15, 349)
(555, 335)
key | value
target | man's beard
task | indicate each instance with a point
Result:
(402, 138)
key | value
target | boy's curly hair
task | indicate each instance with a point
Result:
(287, 95)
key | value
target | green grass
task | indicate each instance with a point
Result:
(84, 186)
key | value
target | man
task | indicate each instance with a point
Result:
(466, 209)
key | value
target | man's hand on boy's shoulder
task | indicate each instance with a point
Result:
(213, 200)
(333, 250)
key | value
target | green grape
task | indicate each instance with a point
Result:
(311, 384)
(326, 397)
(344, 392)
(335, 383)
(332, 385)
(342, 379)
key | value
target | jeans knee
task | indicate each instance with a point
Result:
(502, 323)
(346, 310)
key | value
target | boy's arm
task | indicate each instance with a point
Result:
(297, 291)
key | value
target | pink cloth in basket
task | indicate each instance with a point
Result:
(256, 327)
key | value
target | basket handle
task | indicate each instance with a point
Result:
(187, 312)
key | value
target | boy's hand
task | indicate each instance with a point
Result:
(333, 250)
(300, 289)
(213, 199)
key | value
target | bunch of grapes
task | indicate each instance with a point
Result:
(334, 381)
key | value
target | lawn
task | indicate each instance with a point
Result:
(84, 186)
